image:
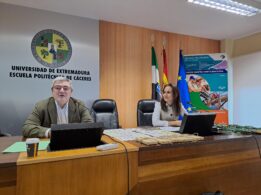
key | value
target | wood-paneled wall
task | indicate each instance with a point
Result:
(125, 63)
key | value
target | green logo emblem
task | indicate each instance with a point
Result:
(51, 48)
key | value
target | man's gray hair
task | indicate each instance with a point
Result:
(62, 79)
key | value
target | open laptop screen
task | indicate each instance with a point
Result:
(198, 123)
(75, 135)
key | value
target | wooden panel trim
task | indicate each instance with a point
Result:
(7, 160)
(8, 184)
(45, 156)
(237, 179)
(154, 154)
(94, 175)
(7, 176)
(179, 167)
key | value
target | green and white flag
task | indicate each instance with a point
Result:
(156, 94)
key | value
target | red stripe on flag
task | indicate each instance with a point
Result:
(165, 68)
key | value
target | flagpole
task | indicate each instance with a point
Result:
(152, 40)
(164, 41)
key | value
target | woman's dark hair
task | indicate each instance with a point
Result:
(176, 99)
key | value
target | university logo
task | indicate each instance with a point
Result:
(51, 48)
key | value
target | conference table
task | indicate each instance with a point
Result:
(227, 163)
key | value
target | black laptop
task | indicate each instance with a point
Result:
(198, 123)
(75, 135)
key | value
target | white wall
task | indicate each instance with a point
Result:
(230, 92)
(18, 26)
(247, 89)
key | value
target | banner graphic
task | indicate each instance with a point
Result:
(208, 84)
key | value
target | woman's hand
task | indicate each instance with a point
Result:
(175, 123)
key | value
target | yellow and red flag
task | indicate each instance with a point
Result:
(165, 68)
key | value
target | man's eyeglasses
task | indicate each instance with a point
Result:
(58, 88)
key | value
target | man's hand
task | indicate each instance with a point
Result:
(49, 134)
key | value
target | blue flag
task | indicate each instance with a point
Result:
(182, 84)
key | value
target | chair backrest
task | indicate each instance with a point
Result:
(145, 109)
(105, 110)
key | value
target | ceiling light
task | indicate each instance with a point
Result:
(228, 6)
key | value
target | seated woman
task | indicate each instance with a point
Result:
(167, 111)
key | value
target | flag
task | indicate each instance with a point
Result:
(182, 84)
(155, 76)
(165, 68)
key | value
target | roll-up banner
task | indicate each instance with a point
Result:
(207, 79)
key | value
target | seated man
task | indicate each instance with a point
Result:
(59, 109)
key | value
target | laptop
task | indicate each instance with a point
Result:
(75, 135)
(198, 123)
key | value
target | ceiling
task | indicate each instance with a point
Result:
(175, 16)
